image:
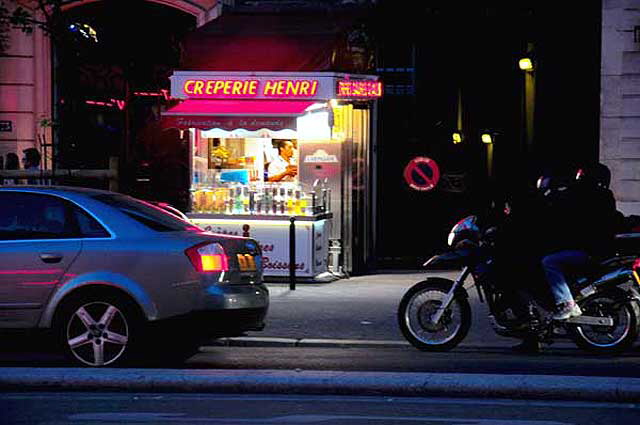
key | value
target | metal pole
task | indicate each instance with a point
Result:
(292, 254)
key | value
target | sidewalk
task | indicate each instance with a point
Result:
(355, 312)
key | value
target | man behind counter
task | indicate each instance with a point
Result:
(281, 169)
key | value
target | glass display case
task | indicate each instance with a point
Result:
(230, 176)
(236, 190)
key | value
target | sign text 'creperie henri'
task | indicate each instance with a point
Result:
(250, 88)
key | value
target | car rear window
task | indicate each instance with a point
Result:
(150, 216)
(89, 227)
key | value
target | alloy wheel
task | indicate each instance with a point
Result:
(97, 333)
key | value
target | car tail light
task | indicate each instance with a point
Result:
(636, 270)
(208, 257)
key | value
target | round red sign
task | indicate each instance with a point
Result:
(422, 173)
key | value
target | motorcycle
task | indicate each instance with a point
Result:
(435, 314)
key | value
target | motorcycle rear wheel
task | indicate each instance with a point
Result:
(608, 339)
(417, 306)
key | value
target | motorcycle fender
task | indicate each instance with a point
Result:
(445, 285)
(625, 296)
(609, 281)
(447, 260)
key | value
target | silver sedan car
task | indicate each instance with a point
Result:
(119, 280)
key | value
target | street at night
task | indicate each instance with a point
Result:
(319, 212)
(351, 325)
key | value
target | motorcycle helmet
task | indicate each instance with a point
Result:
(547, 185)
(556, 178)
(594, 174)
(544, 183)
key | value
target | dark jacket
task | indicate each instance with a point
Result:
(581, 217)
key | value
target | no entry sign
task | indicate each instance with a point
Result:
(422, 173)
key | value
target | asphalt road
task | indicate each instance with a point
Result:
(398, 359)
(110, 408)
(363, 309)
(500, 361)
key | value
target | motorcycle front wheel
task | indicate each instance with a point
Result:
(417, 307)
(608, 339)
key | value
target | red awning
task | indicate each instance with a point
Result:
(234, 114)
(295, 41)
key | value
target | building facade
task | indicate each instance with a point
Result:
(620, 100)
(445, 68)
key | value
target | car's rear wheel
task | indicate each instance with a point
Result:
(101, 329)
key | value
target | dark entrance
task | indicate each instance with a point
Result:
(449, 66)
(111, 89)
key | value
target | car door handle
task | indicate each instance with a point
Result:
(51, 258)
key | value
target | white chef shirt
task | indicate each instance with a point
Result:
(279, 166)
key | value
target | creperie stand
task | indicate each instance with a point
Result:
(243, 182)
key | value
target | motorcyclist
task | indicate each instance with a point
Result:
(594, 181)
(581, 221)
(517, 256)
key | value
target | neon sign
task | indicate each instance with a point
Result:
(121, 104)
(114, 103)
(250, 88)
(359, 89)
(163, 93)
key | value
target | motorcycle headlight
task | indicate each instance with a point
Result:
(450, 238)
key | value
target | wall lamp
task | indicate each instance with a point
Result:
(487, 137)
(456, 137)
(526, 64)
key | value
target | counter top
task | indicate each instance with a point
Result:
(257, 217)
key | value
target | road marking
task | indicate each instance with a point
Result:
(296, 419)
(326, 398)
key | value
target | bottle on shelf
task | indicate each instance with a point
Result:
(267, 201)
(245, 200)
(297, 203)
(276, 201)
(229, 204)
(290, 201)
(252, 202)
(305, 204)
(259, 202)
(238, 201)
(208, 196)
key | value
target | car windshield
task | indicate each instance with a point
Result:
(151, 216)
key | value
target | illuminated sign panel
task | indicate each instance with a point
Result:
(320, 86)
(359, 89)
(250, 88)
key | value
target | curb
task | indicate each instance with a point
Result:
(303, 342)
(276, 342)
(545, 387)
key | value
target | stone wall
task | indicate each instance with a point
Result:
(620, 100)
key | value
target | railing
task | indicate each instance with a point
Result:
(48, 177)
